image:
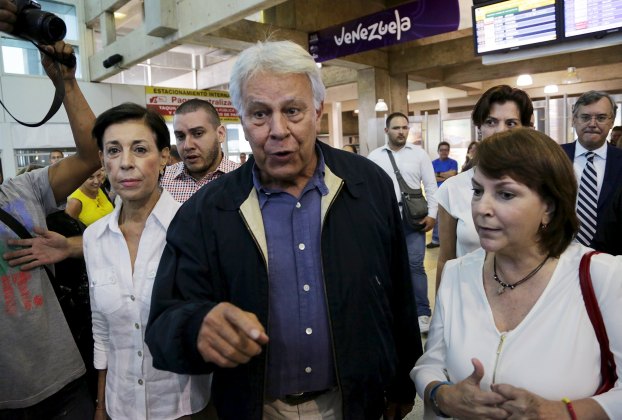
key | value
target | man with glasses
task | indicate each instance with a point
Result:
(597, 164)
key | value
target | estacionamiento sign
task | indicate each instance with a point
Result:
(166, 100)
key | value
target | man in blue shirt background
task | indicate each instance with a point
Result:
(444, 168)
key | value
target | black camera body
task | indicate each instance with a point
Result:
(36, 25)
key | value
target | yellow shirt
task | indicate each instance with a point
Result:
(93, 209)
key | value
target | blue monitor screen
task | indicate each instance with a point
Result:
(592, 17)
(513, 24)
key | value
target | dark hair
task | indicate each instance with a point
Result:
(443, 143)
(534, 159)
(195, 104)
(473, 143)
(500, 95)
(57, 151)
(394, 115)
(591, 97)
(131, 112)
(617, 128)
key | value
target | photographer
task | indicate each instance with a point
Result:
(42, 373)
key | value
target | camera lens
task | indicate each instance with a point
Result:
(42, 27)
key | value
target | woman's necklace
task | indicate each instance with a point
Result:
(503, 285)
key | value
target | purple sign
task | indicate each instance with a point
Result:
(410, 21)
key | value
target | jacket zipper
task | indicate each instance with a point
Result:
(499, 348)
(330, 321)
(263, 257)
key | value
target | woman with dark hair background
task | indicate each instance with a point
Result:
(511, 336)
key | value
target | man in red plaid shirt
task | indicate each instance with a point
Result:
(199, 135)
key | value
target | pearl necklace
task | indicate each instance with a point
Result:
(503, 285)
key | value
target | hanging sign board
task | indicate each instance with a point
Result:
(166, 100)
(407, 22)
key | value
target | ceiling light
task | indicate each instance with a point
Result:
(119, 15)
(550, 89)
(356, 111)
(381, 106)
(571, 76)
(524, 80)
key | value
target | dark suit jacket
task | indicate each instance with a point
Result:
(611, 182)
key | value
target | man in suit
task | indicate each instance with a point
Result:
(592, 117)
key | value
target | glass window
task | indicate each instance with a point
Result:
(39, 157)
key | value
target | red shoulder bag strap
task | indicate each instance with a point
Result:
(607, 362)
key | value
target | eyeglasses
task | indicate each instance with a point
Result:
(600, 118)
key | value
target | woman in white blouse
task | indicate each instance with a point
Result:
(499, 109)
(511, 336)
(122, 252)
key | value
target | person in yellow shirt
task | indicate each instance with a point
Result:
(89, 203)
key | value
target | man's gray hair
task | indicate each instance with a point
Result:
(591, 97)
(275, 57)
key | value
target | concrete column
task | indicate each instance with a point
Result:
(335, 126)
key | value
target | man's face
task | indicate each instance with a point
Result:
(280, 122)
(443, 152)
(616, 136)
(397, 132)
(55, 157)
(590, 132)
(198, 142)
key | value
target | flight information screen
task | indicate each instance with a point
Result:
(585, 17)
(512, 24)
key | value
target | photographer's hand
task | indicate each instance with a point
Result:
(8, 9)
(63, 51)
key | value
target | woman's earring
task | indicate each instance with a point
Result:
(543, 226)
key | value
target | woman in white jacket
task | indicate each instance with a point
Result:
(510, 336)
(122, 253)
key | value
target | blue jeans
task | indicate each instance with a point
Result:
(435, 233)
(415, 243)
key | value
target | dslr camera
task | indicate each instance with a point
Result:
(36, 25)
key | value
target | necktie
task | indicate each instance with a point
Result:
(587, 202)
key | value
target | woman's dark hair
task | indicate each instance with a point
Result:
(131, 112)
(500, 95)
(537, 161)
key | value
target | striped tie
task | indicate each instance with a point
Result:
(587, 202)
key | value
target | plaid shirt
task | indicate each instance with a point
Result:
(181, 185)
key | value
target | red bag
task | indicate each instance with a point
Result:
(607, 363)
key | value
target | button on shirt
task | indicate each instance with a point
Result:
(181, 185)
(300, 355)
(120, 303)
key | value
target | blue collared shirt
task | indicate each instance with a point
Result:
(300, 356)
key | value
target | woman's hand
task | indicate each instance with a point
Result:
(465, 400)
(522, 404)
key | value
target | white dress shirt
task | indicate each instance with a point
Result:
(120, 302)
(416, 168)
(553, 352)
(600, 160)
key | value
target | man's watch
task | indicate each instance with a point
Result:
(433, 392)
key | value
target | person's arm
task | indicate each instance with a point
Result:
(447, 174)
(47, 248)
(69, 173)
(189, 330)
(100, 409)
(74, 208)
(447, 237)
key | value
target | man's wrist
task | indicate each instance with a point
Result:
(434, 401)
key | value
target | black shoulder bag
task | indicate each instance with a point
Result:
(414, 204)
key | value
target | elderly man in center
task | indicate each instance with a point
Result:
(288, 278)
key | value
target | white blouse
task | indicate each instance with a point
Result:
(553, 352)
(120, 304)
(455, 197)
